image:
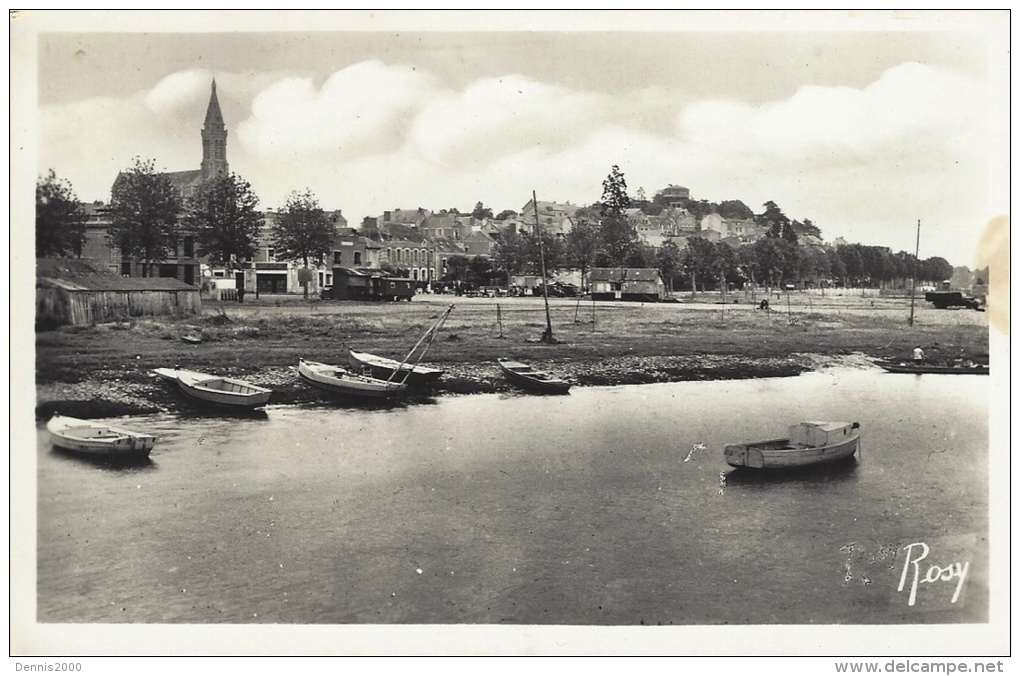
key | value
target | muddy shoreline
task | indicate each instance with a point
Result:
(120, 392)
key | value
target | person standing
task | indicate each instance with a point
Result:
(918, 354)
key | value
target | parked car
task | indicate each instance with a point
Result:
(326, 293)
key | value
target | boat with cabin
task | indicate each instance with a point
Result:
(806, 444)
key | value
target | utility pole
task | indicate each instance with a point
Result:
(913, 277)
(547, 337)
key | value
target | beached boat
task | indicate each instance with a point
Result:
(217, 390)
(96, 438)
(964, 367)
(532, 379)
(342, 380)
(383, 368)
(808, 443)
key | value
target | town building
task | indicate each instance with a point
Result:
(673, 196)
(553, 218)
(637, 284)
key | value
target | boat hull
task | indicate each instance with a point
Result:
(536, 381)
(385, 369)
(907, 367)
(83, 436)
(338, 380)
(778, 454)
(217, 391)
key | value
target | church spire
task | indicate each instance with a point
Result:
(214, 139)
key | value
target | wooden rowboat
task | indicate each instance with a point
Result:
(217, 390)
(383, 368)
(96, 438)
(532, 379)
(808, 443)
(340, 380)
(956, 368)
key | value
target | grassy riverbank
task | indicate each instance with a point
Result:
(106, 369)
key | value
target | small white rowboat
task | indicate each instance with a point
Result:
(216, 390)
(96, 438)
(340, 380)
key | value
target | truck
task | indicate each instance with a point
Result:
(945, 297)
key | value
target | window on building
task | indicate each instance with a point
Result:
(336, 258)
(189, 247)
(357, 258)
(270, 254)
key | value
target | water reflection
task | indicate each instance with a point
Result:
(123, 462)
(195, 411)
(839, 471)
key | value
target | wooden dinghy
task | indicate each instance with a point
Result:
(387, 369)
(808, 443)
(955, 368)
(532, 379)
(96, 438)
(217, 390)
(340, 380)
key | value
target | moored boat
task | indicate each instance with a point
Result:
(808, 443)
(386, 369)
(97, 438)
(532, 379)
(340, 380)
(963, 367)
(217, 390)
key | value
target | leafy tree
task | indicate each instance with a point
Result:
(735, 209)
(668, 259)
(617, 236)
(836, 268)
(726, 263)
(641, 256)
(552, 248)
(303, 231)
(809, 228)
(699, 261)
(457, 269)
(580, 243)
(505, 214)
(481, 211)
(853, 263)
(144, 209)
(223, 217)
(480, 270)
(510, 253)
(776, 224)
(936, 270)
(59, 219)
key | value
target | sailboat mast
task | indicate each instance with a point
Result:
(913, 276)
(547, 337)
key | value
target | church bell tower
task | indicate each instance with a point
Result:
(214, 140)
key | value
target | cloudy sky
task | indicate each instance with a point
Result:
(863, 123)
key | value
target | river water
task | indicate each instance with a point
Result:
(610, 506)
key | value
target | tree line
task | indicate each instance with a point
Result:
(148, 217)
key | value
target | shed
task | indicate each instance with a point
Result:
(639, 284)
(95, 298)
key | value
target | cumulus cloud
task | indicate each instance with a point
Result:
(363, 109)
(375, 136)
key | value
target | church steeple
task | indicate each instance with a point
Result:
(214, 140)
